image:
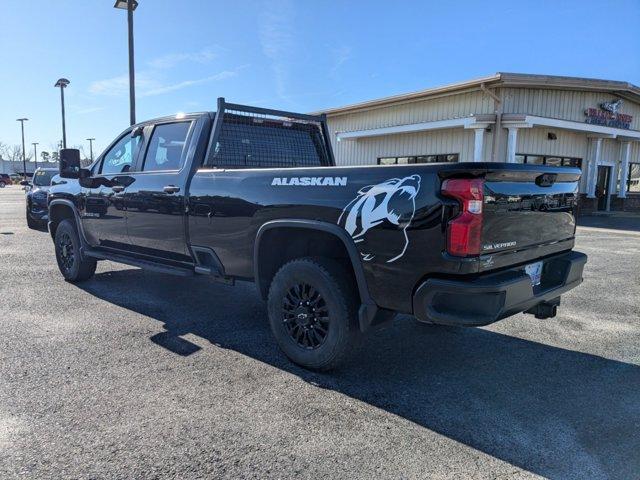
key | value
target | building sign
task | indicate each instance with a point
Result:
(607, 115)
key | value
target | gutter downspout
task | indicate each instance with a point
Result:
(497, 106)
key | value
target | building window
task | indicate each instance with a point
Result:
(633, 180)
(449, 157)
(551, 160)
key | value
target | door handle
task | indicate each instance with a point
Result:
(117, 188)
(171, 189)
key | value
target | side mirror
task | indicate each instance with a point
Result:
(70, 163)
(87, 181)
(25, 183)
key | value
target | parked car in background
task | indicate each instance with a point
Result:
(37, 213)
(5, 180)
(58, 180)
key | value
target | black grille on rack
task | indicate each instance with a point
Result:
(249, 137)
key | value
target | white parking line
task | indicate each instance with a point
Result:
(609, 230)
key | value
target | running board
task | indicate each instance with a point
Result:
(159, 267)
(214, 275)
(135, 262)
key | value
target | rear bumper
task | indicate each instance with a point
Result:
(495, 296)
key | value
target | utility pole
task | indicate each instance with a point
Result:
(130, 6)
(62, 83)
(24, 161)
(35, 153)
(132, 79)
(91, 148)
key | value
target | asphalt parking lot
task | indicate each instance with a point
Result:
(140, 375)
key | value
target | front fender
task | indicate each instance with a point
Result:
(58, 205)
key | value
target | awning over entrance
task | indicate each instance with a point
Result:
(527, 121)
(473, 121)
(596, 133)
(479, 123)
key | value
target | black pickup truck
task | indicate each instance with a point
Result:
(247, 193)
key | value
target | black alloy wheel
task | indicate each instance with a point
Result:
(67, 254)
(306, 316)
(313, 304)
(73, 265)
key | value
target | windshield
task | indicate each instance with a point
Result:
(42, 178)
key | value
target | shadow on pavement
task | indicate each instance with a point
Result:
(629, 223)
(554, 412)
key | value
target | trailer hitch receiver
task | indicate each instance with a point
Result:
(547, 309)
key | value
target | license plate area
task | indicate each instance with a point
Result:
(534, 270)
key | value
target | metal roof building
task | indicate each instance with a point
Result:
(589, 123)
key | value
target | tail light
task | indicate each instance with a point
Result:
(464, 231)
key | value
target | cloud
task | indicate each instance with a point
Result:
(341, 55)
(83, 111)
(188, 83)
(277, 41)
(119, 86)
(152, 81)
(171, 60)
(147, 84)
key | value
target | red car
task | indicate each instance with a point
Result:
(5, 180)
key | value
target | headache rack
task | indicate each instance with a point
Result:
(251, 137)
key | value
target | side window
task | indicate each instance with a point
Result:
(167, 147)
(120, 158)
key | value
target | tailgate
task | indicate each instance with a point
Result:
(528, 206)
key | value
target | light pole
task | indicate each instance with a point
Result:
(91, 148)
(24, 161)
(130, 6)
(35, 153)
(62, 83)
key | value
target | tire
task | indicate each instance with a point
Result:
(67, 245)
(2, 184)
(31, 223)
(313, 287)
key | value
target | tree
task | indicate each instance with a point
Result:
(10, 153)
(46, 156)
(14, 153)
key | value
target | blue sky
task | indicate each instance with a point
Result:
(299, 55)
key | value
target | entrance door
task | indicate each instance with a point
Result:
(602, 186)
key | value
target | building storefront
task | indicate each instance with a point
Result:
(534, 119)
(8, 166)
